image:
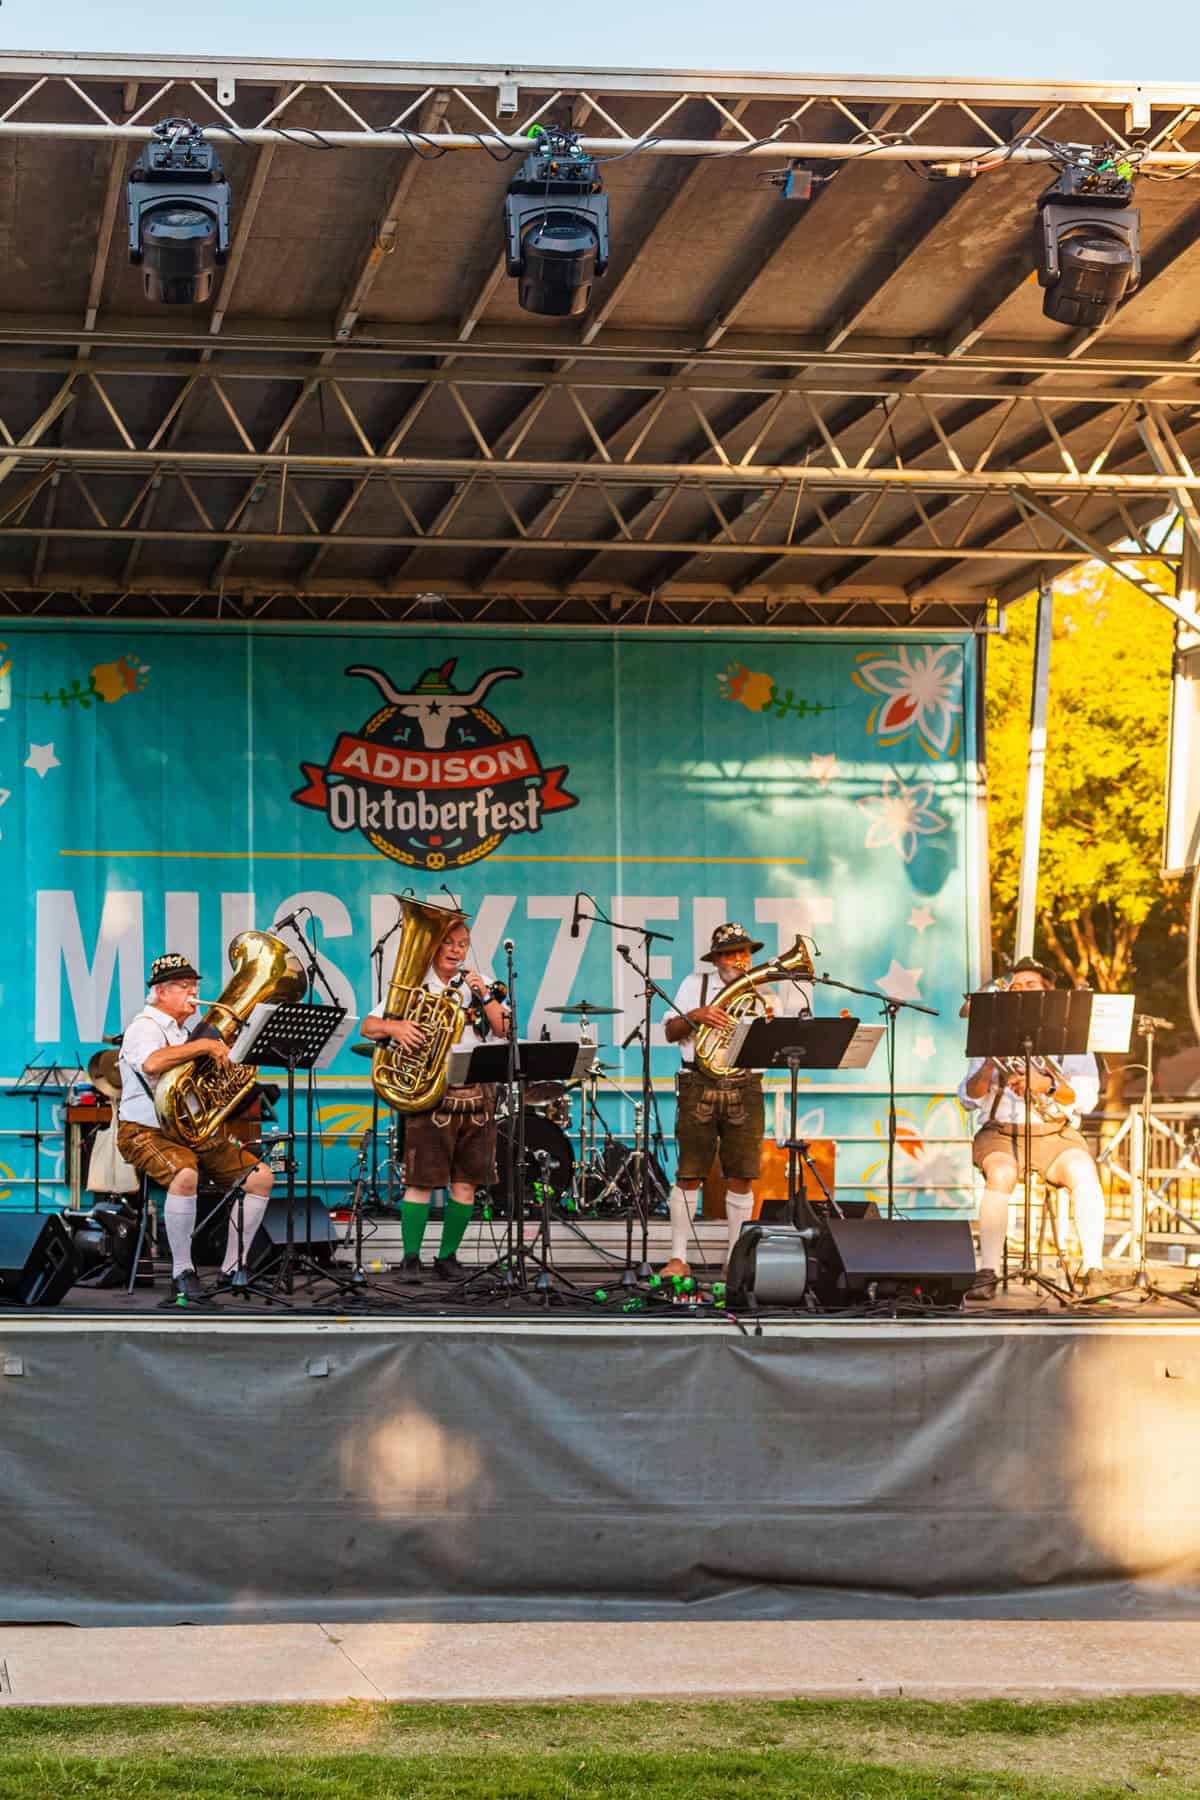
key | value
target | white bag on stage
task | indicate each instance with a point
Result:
(108, 1172)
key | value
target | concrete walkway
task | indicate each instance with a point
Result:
(57, 1665)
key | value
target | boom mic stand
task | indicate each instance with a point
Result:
(890, 1009)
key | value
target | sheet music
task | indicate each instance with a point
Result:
(861, 1047)
(1111, 1022)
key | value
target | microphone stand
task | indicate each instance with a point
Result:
(514, 1173)
(315, 974)
(890, 1009)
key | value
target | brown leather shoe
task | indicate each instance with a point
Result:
(676, 1266)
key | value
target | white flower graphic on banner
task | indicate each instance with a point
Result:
(922, 690)
(929, 1170)
(901, 817)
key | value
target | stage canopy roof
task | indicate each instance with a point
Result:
(846, 410)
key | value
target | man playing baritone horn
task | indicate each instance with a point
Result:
(1058, 1152)
(453, 1144)
(722, 1111)
(155, 1041)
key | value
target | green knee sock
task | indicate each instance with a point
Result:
(414, 1216)
(457, 1218)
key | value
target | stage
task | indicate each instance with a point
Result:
(513, 1463)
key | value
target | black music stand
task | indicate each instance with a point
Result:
(38, 1082)
(808, 1044)
(294, 1036)
(1024, 1026)
(556, 1060)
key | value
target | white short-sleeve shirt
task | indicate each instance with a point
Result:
(1080, 1071)
(151, 1029)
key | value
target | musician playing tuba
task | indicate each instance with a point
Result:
(714, 1111)
(154, 1042)
(453, 1143)
(1058, 1152)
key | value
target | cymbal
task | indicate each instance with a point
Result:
(582, 1008)
(104, 1073)
(362, 1049)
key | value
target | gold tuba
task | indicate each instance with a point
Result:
(412, 1081)
(741, 996)
(192, 1099)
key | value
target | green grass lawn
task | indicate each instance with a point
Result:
(762, 1750)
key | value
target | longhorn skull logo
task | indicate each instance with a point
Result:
(435, 702)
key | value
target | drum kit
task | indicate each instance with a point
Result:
(589, 1171)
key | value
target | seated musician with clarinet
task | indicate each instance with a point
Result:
(1058, 1152)
(154, 1043)
(450, 1135)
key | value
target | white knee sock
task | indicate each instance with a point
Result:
(253, 1210)
(179, 1216)
(1088, 1200)
(681, 1223)
(738, 1208)
(993, 1229)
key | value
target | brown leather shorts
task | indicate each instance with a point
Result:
(708, 1115)
(219, 1159)
(1045, 1147)
(456, 1142)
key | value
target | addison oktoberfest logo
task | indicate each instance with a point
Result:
(433, 779)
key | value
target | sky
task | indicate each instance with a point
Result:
(1020, 40)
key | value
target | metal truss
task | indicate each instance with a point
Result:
(650, 114)
(767, 471)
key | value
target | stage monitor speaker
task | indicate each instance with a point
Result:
(934, 1257)
(37, 1259)
(271, 1238)
(849, 1259)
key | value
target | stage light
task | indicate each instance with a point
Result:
(1088, 241)
(556, 226)
(178, 214)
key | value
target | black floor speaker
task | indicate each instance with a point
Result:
(37, 1259)
(934, 1258)
(849, 1261)
(271, 1238)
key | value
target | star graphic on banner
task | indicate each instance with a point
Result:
(822, 768)
(41, 757)
(900, 983)
(924, 1047)
(920, 918)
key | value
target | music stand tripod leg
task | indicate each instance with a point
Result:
(1027, 1275)
(239, 1281)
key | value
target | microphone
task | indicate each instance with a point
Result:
(509, 946)
(575, 917)
(1147, 1022)
(290, 918)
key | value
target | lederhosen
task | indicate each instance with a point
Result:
(455, 1141)
(725, 1111)
(1047, 1140)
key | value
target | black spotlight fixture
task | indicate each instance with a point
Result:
(556, 225)
(178, 214)
(1088, 239)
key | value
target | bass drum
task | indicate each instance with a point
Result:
(548, 1157)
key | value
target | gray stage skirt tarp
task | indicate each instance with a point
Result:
(156, 1472)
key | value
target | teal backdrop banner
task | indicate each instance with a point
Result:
(166, 788)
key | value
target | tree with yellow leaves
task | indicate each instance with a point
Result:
(1110, 683)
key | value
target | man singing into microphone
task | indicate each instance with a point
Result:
(454, 1144)
(155, 1041)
